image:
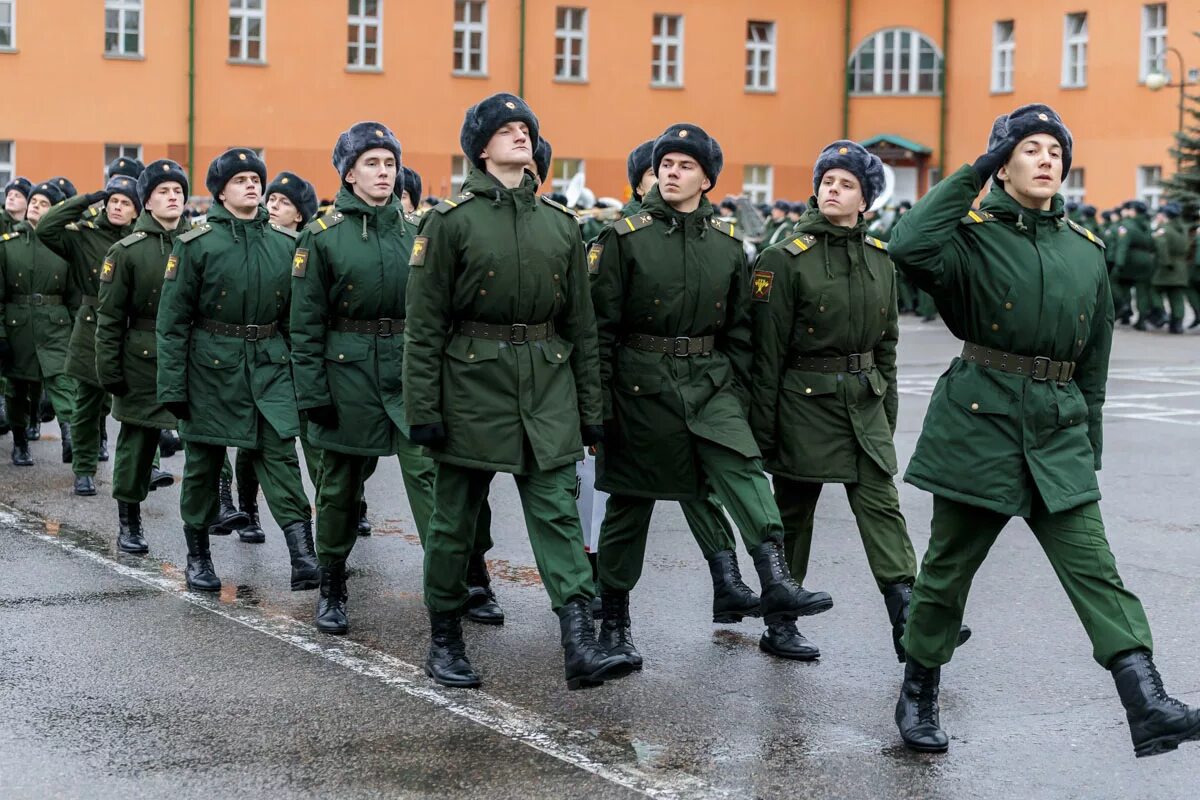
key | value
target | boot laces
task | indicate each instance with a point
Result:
(926, 696)
(1160, 691)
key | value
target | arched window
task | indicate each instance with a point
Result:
(896, 61)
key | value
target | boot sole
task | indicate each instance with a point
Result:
(610, 673)
(469, 684)
(1165, 744)
(253, 539)
(731, 617)
(786, 655)
(193, 588)
(92, 493)
(810, 610)
(340, 630)
(924, 748)
(162, 483)
(134, 551)
(485, 620)
(306, 585)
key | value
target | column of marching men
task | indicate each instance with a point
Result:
(488, 336)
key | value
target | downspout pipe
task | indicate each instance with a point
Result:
(945, 70)
(849, 9)
(520, 55)
(191, 121)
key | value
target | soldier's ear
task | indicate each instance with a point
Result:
(1002, 173)
(704, 187)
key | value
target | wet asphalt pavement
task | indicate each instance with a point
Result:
(115, 682)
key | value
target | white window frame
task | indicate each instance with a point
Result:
(1153, 56)
(1074, 188)
(238, 9)
(760, 55)
(916, 42)
(470, 27)
(571, 38)
(1004, 45)
(1149, 185)
(8, 168)
(1075, 51)
(115, 150)
(563, 171)
(123, 8)
(660, 43)
(459, 167)
(11, 5)
(360, 20)
(758, 183)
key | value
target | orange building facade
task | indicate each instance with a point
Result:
(774, 80)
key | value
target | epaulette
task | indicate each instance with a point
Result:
(5, 237)
(411, 219)
(326, 222)
(559, 206)
(286, 231)
(194, 233)
(1082, 231)
(94, 209)
(974, 216)
(628, 225)
(87, 223)
(131, 238)
(878, 243)
(727, 228)
(446, 206)
(798, 244)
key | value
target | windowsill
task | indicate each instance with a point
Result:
(1002, 91)
(366, 70)
(575, 81)
(476, 75)
(895, 94)
(9, 50)
(1072, 87)
(753, 90)
(246, 62)
(668, 86)
(125, 56)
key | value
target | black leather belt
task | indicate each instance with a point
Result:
(374, 327)
(516, 333)
(142, 324)
(1039, 368)
(251, 333)
(855, 362)
(681, 346)
(36, 299)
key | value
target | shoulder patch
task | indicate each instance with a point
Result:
(628, 225)
(131, 238)
(419, 249)
(5, 237)
(172, 268)
(761, 285)
(446, 206)
(106, 271)
(798, 244)
(285, 231)
(326, 222)
(1085, 233)
(593, 258)
(559, 206)
(300, 262)
(727, 228)
(195, 233)
(87, 223)
(974, 217)
(877, 243)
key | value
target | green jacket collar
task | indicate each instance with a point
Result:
(219, 215)
(379, 217)
(146, 223)
(484, 186)
(692, 222)
(1005, 208)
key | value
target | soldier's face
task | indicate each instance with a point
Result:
(243, 191)
(840, 196)
(373, 176)
(166, 201)
(120, 210)
(680, 178)
(38, 205)
(15, 204)
(406, 202)
(647, 182)
(510, 146)
(1034, 170)
(283, 212)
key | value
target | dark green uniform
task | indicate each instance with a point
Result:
(513, 403)
(231, 272)
(131, 282)
(1136, 262)
(1171, 267)
(997, 444)
(824, 400)
(84, 244)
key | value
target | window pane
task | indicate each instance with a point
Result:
(371, 8)
(254, 50)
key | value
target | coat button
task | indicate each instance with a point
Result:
(812, 330)
(145, 352)
(1008, 306)
(222, 293)
(483, 291)
(821, 308)
(341, 356)
(883, 312)
(637, 388)
(556, 276)
(350, 287)
(470, 356)
(216, 361)
(491, 273)
(558, 355)
(657, 302)
(1079, 342)
(974, 406)
(718, 305)
(995, 327)
(808, 391)
(1082, 317)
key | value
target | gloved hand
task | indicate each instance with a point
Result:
(997, 156)
(592, 435)
(325, 416)
(96, 197)
(119, 389)
(6, 354)
(431, 435)
(179, 410)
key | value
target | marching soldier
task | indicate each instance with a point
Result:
(1135, 261)
(675, 359)
(500, 375)
(824, 399)
(1171, 270)
(223, 363)
(35, 288)
(131, 281)
(84, 244)
(1014, 427)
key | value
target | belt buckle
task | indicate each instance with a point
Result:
(854, 363)
(251, 333)
(518, 333)
(1044, 363)
(686, 341)
(384, 327)
(37, 299)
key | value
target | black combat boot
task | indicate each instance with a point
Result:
(364, 525)
(1195, 324)
(1176, 326)
(447, 661)
(129, 534)
(68, 448)
(45, 409)
(34, 432)
(732, 598)
(782, 638)
(85, 486)
(248, 502)
(102, 454)
(615, 635)
(1158, 723)
(917, 709)
(6, 426)
(1140, 325)
(481, 600)
(331, 602)
(160, 479)
(897, 597)
(585, 663)
(20, 452)
(168, 443)
(305, 572)
(781, 595)
(199, 575)
(1125, 315)
(1158, 318)
(229, 519)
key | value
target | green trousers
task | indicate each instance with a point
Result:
(737, 481)
(876, 506)
(91, 407)
(1175, 298)
(1147, 298)
(137, 451)
(1078, 550)
(1122, 294)
(23, 402)
(275, 464)
(709, 526)
(1193, 298)
(551, 520)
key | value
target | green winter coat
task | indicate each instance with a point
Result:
(829, 291)
(1170, 255)
(353, 264)
(237, 272)
(39, 333)
(501, 256)
(7, 223)
(131, 282)
(1135, 250)
(84, 244)
(669, 274)
(1028, 283)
